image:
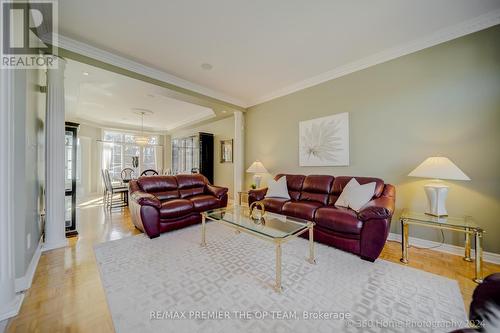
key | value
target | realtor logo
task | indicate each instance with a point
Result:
(28, 34)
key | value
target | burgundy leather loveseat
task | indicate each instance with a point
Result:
(313, 198)
(163, 203)
(485, 306)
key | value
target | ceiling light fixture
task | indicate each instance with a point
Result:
(206, 66)
(86, 73)
(142, 140)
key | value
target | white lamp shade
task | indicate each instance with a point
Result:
(439, 168)
(257, 167)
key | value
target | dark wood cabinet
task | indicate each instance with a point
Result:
(194, 154)
(206, 145)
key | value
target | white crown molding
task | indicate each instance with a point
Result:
(122, 62)
(470, 26)
(479, 23)
(445, 248)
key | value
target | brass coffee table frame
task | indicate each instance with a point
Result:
(469, 231)
(309, 226)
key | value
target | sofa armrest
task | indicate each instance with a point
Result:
(256, 195)
(146, 199)
(380, 208)
(216, 191)
(373, 237)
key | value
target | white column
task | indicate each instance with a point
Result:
(9, 301)
(239, 153)
(54, 142)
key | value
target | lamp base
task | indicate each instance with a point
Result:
(256, 180)
(436, 196)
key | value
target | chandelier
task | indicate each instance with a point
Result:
(142, 140)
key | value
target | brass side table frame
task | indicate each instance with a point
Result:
(242, 194)
(277, 242)
(469, 231)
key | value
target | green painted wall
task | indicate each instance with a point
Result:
(222, 130)
(443, 100)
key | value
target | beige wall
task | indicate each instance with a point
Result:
(444, 100)
(222, 130)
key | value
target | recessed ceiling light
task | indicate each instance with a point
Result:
(224, 111)
(86, 73)
(206, 66)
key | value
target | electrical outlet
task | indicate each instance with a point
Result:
(28, 241)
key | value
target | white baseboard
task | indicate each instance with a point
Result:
(23, 283)
(3, 325)
(446, 248)
(53, 246)
(12, 309)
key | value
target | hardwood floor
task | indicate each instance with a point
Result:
(67, 295)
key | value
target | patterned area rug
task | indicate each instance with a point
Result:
(172, 284)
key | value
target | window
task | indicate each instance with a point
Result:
(184, 154)
(119, 148)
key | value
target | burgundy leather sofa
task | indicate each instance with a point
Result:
(313, 198)
(485, 305)
(163, 203)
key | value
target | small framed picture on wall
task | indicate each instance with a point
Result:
(226, 151)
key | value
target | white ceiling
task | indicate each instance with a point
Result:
(108, 99)
(260, 49)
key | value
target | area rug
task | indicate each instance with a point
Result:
(172, 284)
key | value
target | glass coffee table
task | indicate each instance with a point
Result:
(270, 227)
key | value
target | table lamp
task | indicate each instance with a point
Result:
(437, 168)
(257, 168)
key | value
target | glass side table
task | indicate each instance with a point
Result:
(242, 196)
(464, 224)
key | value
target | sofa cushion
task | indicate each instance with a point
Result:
(153, 184)
(277, 188)
(190, 185)
(166, 195)
(355, 195)
(342, 220)
(204, 202)
(294, 184)
(301, 209)
(340, 182)
(175, 208)
(274, 205)
(316, 188)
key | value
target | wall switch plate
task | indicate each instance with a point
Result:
(28, 241)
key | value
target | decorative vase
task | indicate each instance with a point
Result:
(135, 161)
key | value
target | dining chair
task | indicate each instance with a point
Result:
(127, 174)
(112, 190)
(149, 172)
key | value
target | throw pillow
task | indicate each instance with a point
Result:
(277, 188)
(355, 196)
